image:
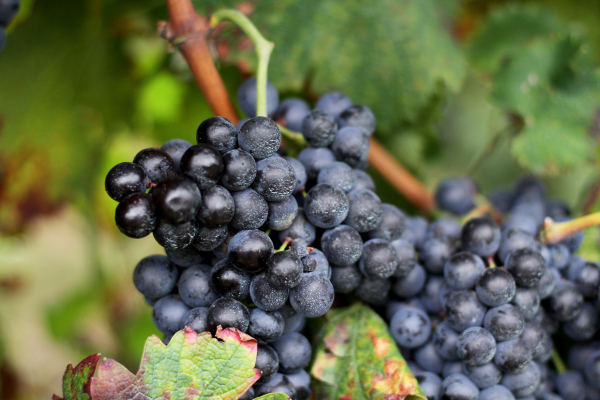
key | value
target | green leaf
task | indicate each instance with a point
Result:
(273, 396)
(192, 365)
(388, 54)
(543, 71)
(356, 358)
(76, 381)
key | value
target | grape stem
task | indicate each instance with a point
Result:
(188, 31)
(558, 362)
(554, 232)
(263, 51)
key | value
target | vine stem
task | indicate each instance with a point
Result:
(554, 232)
(187, 30)
(558, 362)
(263, 51)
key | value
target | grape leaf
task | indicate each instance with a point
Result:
(273, 396)
(76, 381)
(388, 54)
(356, 358)
(542, 70)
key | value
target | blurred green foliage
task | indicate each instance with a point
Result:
(86, 84)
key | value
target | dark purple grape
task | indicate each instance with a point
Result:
(208, 239)
(483, 376)
(228, 281)
(239, 170)
(342, 245)
(435, 251)
(246, 97)
(374, 290)
(124, 179)
(410, 284)
(321, 265)
(584, 326)
(447, 227)
(154, 276)
(294, 352)
(346, 278)
(266, 296)
(365, 210)
(525, 382)
(410, 327)
(168, 313)
(267, 362)
(505, 322)
(476, 346)
(351, 146)
(157, 163)
(218, 132)
(514, 239)
(463, 310)
(497, 392)
(406, 255)
(526, 266)
(249, 250)
(545, 286)
(301, 382)
(203, 164)
(291, 113)
(282, 214)
(587, 278)
(512, 356)
(570, 385)
(216, 208)
(301, 228)
(176, 148)
(277, 384)
(363, 180)
(195, 289)
(275, 179)
(196, 319)
(592, 369)
(378, 259)
(314, 159)
(456, 195)
(326, 206)
(228, 313)
(566, 302)
(430, 383)
(360, 117)
(319, 128)
(173, 237)
(428, 359)
(260, 136)
(313, 296)
(527, 301)
(177, 199)
(462, 270)
(481, 236)
(391, 226)
(251, 210)
(266, 325)
(299, 173)
(135, 216)
(284, 270)
(333, 103)
(459, 387)
(185, 257)
(495, 287)
(338, 174)
(444, 341)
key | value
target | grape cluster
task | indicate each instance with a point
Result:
(8, 12)
(475, 313)
(222, 206)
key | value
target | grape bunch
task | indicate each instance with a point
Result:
(221, 208)
(8, 12)
(475, 313)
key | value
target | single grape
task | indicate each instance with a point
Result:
(333, 103)
(299, 173)
(406, 255)
(391, 226)
(525, 382)
(592, 369)
(326, 206)
(177, 199)
(526, 266)
(587, 279)
(135, 215)
(483, 376)
(496, 392)
(176, 148)
(430, 383)
(514, 239)
(374, 290)
(301, 382)
(570, 385)
(185, 257)
(523, 222)
(444, 341)
(321, 265)
(266, 325)
(338, 174)
(566, 302)
(301, 228)
(584, 326)
(203, 164)
(157, 163)
(560, 256)
(428, 359)
(246, 97)
(249, 250)
(365, 210)
(291, 112)
(481, 236)
(228, 281)
(266, 296)
(313, 296)
(458, 386)
(251, 210)
(345, 279)
(527, 301)
(314, 159)
(360, 117)
(195, 289)
(216, 207)
(208, 239)
(452, 367)
(267, 362)
(319, 128)
(410, 284)
(174, 236)
(351, 146)
(410, 327)
(512, 356)
(463, 310)
(295, 323)
(278, 383)
(448, 227)
(495, 287)
(282, 214)
(260, 136)
(218, 132)
(196, 318)
(168, 313)
(154, 276)
(294, 352)
(275, 179)
(462, 270)
(228, 313)
(378, 259)
(124, 179)
(284, 269)
(435, 251)
(456, 195)
(239, 170)
(476, 346)
(545, 286)
(342, 245)
(505, 322)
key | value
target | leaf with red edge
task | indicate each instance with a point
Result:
(76, 381)
(357, 358)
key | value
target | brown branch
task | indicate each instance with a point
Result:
(188, 31)
(400, 178)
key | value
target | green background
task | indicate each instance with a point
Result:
(86, 84)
